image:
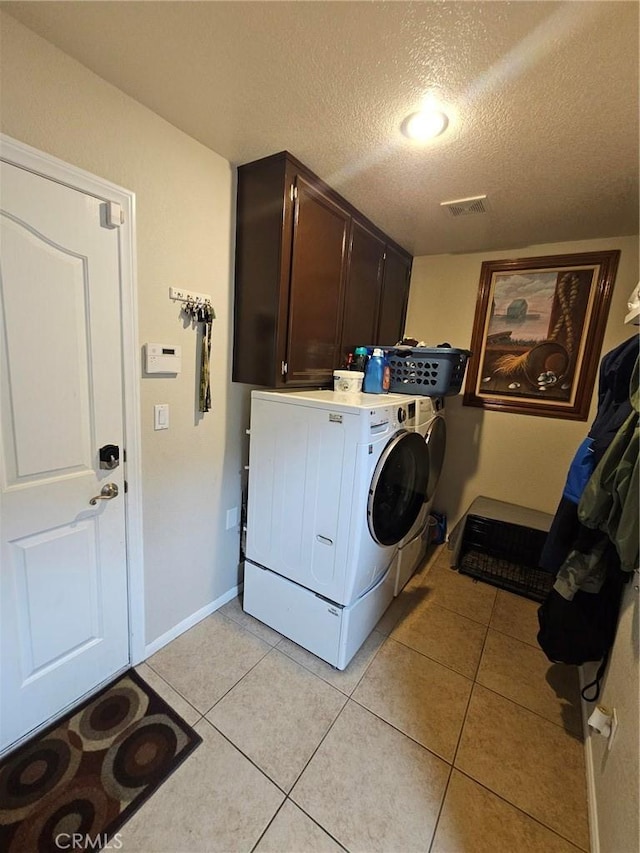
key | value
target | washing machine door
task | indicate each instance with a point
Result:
(398, 488)
(436, 441)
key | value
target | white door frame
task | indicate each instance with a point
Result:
(26, 157)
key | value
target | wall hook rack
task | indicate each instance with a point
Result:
(178, 294)
(198, 307)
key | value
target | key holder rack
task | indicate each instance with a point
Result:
(191, 298)
(198, 307)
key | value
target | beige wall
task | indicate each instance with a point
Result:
(616, 773)
(517, 458)
(524, 460)
(184, 198)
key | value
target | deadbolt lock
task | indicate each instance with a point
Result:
(109, 456)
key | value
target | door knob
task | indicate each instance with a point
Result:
(107, 493)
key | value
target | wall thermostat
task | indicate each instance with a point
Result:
(162, 358)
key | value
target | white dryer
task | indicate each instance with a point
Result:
(335, 483)
(429, 423)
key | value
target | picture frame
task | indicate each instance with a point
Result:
(537, 333)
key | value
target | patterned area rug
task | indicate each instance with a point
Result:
(73, 786)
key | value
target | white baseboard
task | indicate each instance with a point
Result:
(190, 621)
(592, 803)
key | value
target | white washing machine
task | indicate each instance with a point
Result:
(429, 423)
(335, 483)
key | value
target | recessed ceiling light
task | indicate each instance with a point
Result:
(425, 124)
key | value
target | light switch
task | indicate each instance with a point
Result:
(161, 416)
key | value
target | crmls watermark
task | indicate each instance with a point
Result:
(78, 841)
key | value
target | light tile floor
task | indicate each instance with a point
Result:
(449, 732)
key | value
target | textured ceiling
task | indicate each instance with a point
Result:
(543, 102)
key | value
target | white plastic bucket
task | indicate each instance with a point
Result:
(348, 380)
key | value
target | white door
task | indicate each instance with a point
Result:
(63, 570)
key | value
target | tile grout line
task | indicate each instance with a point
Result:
(517, 704)
(248, 758)
(321, 677)
(245, 628)
(319, 825)
(347, 697)
(322, 740)
(531, 711)
(513, 637)
(235, 624)
(473, 684)
(449, 609)
(444, 797)
(271, 649)
(521, 810)
(235, 746)
(400, 731)
(368, 666)
(434, 660)
(464, 720)
(450, 765)
(297, 779)
(308, 668)
(465, 615)
(242, 677)
(168, 683)
(476, 682)
(286, 800)
(496, 692)
(287, 796)
(273, 817)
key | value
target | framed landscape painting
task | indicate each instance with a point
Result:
(537, 333)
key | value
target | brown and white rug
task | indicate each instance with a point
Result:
(74, 785)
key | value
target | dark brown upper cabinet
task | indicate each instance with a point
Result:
(318, 266)
(364, 285)
(395, 295)
(310, 277)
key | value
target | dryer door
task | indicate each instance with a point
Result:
(436, 440)
(398, 488)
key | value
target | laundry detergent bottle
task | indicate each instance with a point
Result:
(377, 377)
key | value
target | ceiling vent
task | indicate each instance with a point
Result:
(466, 206)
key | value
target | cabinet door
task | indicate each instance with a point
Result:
(395, 293)
(263, 240)
(362, 293)
(317, 273)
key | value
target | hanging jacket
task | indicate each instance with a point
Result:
(578, 617)
(610, 499)
(567, 533)
(614, 404)
(607, 512)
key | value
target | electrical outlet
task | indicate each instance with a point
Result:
(233, 517)
(614, 728)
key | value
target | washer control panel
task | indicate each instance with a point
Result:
(391, 418)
